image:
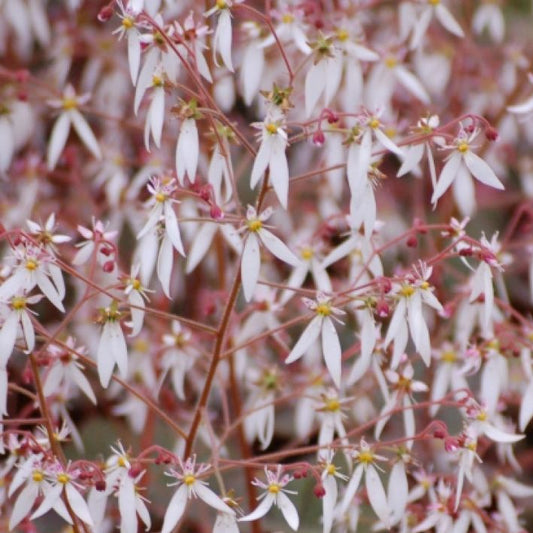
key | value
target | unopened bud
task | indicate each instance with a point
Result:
(412, 241)
(108, 266)
(100, 485)
(105, 14)
(439, 434)
(382, 309)
(451, 444)
(318, 138)
(300, 473)
(215, 212)
(386, 285)
(319, 491)
(491, 134)
(104, 250)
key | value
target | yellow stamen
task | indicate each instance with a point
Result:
(323, 309)
(424, 285)
(307, 254)
(342, 35)
(157, 81)
(449, 356)
(127, 22)
(373, 123)
(122, 462)
(433, 2)
(63, 478)
(69, 103)
(366, 457)
(391, 62)
(18, 303)
(255, 224)
(189, 480)
(160, 197)
(331, 469)
(274, 488)
(407, 290)
(31, 264)
(271, 128)
(37, 476)
(332, 405)
(221, 4)
(136, 284)
(462, 147)
(287, 18)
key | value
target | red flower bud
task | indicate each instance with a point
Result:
(318, 138)
(100, 485)
(216, 213)
(412, 242)
(491, 134)
(108, 266)
(319, 491)
(105, 14)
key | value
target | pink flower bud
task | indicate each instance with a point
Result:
(318, 138)
(319, 491)
(105, 13)
(108, 266)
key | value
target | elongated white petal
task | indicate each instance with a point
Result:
(172, 229)
(165, 260)
(387, 142)
(331, 348)
(134, 54)
(261, 510)
(156, 116)
(448, 20)
(51, 498)
(307, 338)
(175, 509)
(328, 503)
(23, 505)
(223, 38)
(413, 155)
(7, 142)
(126, 504)
(277, 247)
(411, 83)
(201, 244)
(523, 108)
(28, 331)
(447, 175)
(497, 435)
(78, 504)
(398, 490)
(351, 488)
(8, 335)
(85, 133)
(49, 290)
(83, 383)
(104, 358)
(526, 407)
(252, 67)
(376, 495)
(250, 265)
(481, 170)
(225, 523)
(208, 496)
(315, 83)
(288, 510)
(57, 141)
(137, 315)
(279, 171)
(420, 28)
(261, 161)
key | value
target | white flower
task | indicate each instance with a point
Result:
(97, 238)
(161, 204)
(321, 326)
(190, 486)
(374, 487)
(489, 15)
(329, 499)
(112, 348)
(443, 15)
(187, 151)
(271, 155)
(155, 116)
(70, 116)
(128, 27)
(136, 294)
(275, 495)
(251, 256)
(464, 162)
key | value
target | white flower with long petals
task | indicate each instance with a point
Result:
(321, 326)
(136, 294)
(251, 255)
(464, 163)
(128, 28)
(329, 476)
(112, 348)
(189, 486)
(70, 116)
(275, 495)
(271, 155)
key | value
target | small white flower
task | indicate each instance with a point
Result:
(321, 326)
(271, 155)
(112, 348)
(70, 116)
(466, 163)
(275, 495)
(251, 255)
(187, 151)
(136, 294)
(190, 486)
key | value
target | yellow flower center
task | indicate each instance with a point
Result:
(433, 2)
(331, 469)
(122, 462)
(471, 446)
(307, 254)
(69, 103)
(482, 416)
(274, 488)
(366, 457)
(37, 476)
(342, 35)
(136, 284)
(157, 81)
(255, 224)
(221, 4)
(391, 62)
(332, 405)
(449, 356)
(373, 123)
(287, 18)
(424, 285)
(462, 147)
(127, 22)
(31, 264)
(323, 309)
(63, 478)
(407, 290)
(18, 303)
(189, 480)
(271, 128)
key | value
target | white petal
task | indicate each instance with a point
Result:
(523, 108)
(328, 503)
(413, 155)
(279, 171)
(448, 21)
(526, 407)
(137, 315)
(250, 265)
(23, 505)
(251, 71)
(481, 171)
(28, 331)
(126, 504)
(8, 335)
(52, 496)
(331, 348)
(172, 229)
(277, 247)
(387, 142)
(261, 161)
(447, 175)
(175, 509)
(155, 116)
(289, 510)
(165, 260)
(85, 133)
(412, 84)
(376, 495)
(78, 505)
(420, 28)
(351, 488)
(225, 523)
(134, 54)
(223, 38)
(7, 142)
(307, 338)
(315, 83)
(497, 435)
(398, 490)
(209, 497)
(261, 510)
(201, 244)
(83, 383)
(57, 141)
(104, 359)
